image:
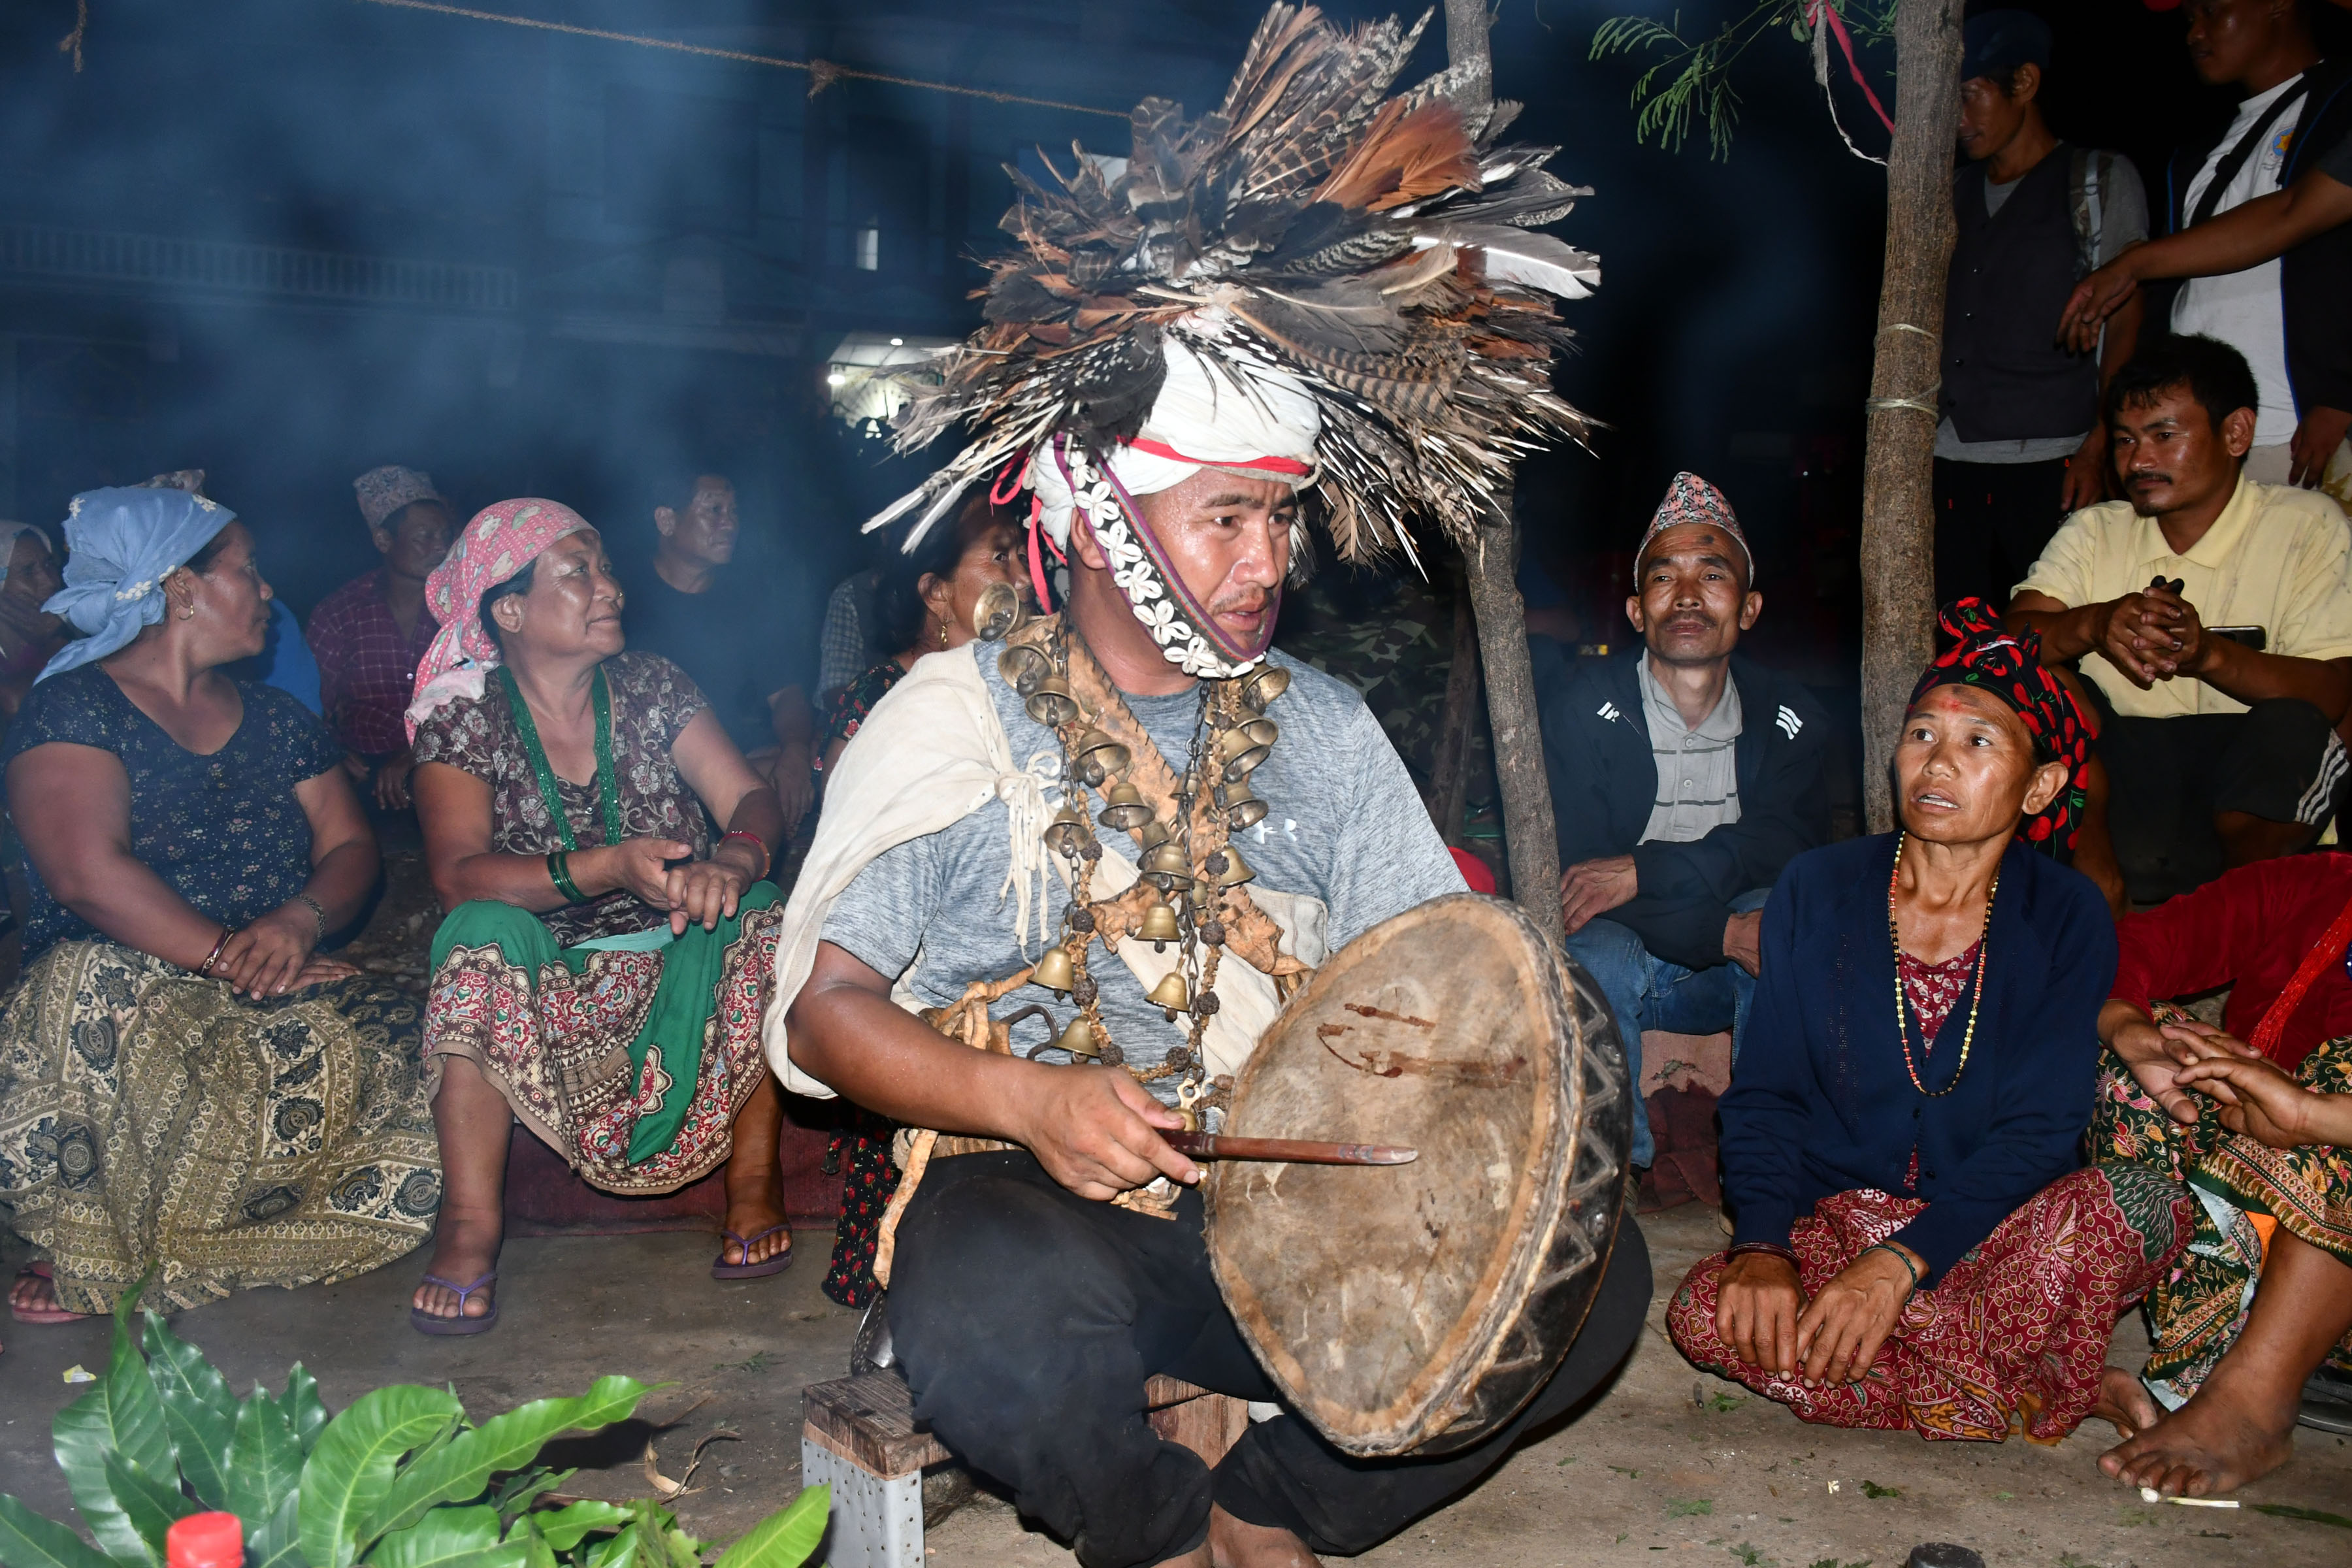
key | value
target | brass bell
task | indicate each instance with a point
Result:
(1153, 834)
(997, 612)
(1262, 685)
(1079, 1039)
(1023, 667)
(1171, 994)
(1237, 870)
(1050, 703)
(1168, 865)
(1054, 971)
(1242, 809)
(1067, 831)
(1243, 748)
(1124, 809)
(1102, 749)
(1159, 925)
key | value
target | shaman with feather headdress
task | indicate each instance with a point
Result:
(1318, 281)
(1050, 844)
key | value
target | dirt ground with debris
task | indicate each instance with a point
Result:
(1667, 1459)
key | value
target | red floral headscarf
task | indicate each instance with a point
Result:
(498, 544)
(1987, 655)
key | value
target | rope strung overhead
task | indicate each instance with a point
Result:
(822, 73)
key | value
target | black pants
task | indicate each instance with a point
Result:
(1026, 1319)
(1992, 522)
(2168, 778)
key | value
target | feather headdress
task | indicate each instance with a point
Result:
(1314, 237)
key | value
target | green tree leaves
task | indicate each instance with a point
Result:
(784, 1538)
(350, 1473)
(397, 1481)
(461, 1468)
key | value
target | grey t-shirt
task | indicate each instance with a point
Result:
(1343, 825)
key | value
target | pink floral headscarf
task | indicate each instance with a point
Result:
(499, 542)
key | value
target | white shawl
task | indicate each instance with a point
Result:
(930, 754)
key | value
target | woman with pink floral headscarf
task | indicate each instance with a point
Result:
(604, 964)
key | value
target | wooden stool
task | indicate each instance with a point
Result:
(858, 1436)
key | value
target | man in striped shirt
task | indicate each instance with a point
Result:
(1683, 778)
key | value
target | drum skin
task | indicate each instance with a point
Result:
(1416, 1309)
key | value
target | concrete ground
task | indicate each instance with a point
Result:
(1668, 1461)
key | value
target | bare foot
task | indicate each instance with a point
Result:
(34, 1297)
(465, 1248)
(1234, 1545)
(2212, 1444)
(2125, 1401)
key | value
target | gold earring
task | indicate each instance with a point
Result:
(943, 634)
(188, 612)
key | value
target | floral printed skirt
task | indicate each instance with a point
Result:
(2013, 1336)
(152, 1119)
(2245, 1191)
(630, 1058)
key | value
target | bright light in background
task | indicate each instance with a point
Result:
(873, 375)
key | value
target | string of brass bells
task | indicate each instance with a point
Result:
(1230, 739)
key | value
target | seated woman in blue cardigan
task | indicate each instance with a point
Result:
(1915, 1246)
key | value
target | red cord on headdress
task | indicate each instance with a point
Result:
(1036, 564)
(997, 494)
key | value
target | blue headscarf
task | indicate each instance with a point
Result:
(123, 544)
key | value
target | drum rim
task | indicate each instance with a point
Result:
(1443, 1390)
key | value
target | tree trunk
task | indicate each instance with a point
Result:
(1529, 832)
(1898, 465)
(1449, 771)
(1492, 563)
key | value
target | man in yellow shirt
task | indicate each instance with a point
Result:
(2212, 619)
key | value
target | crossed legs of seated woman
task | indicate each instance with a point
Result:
(2262, 1296)
(603, 967)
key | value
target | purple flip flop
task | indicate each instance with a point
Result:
(723, 1270)
(426, 1323)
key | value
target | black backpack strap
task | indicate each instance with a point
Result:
(2235, 158)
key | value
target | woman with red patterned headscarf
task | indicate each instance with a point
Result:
(1914, 1244)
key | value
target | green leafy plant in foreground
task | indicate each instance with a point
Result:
(401, 1479)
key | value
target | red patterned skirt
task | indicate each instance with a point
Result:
(2013, 1336)
(592, 1050)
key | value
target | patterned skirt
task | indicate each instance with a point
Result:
(629, 1061)
(860, 1150)
(2012, 1338)
(2245, 1191)
(149, 1118)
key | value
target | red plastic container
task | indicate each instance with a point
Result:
(206, 1541)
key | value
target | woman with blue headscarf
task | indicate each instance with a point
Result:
(186, 1086)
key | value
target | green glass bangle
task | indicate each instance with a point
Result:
(1896, 1253)
(559, 872)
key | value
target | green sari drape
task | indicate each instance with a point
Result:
(629, 1055)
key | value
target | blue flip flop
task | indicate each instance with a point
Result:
(723, 1270)
(426, 1323)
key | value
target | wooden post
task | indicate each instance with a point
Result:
(1492, 562)
(1449, 771)
(1898, 562)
